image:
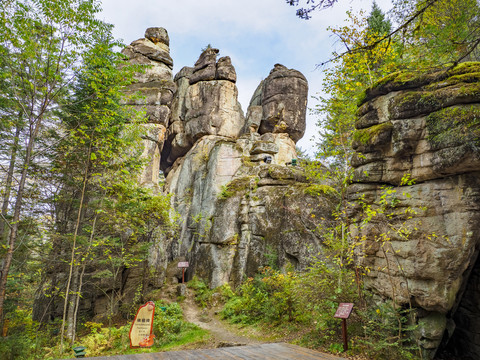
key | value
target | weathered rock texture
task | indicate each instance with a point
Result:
(240, 205)
(283, 98)
(153, 93)
(238, 215)
(206, 103)
(427, 127)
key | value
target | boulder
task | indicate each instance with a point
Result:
(157, 52)
(206, 103)
(225, 70)
(283, 100)
(157, 35)
(205, 68)
(212, 108)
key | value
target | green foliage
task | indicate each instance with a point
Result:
(345, 83)
(24, 340)
(208, 46)
(274, 297)
(238, 185)
(446, 32)
(309, 299)
(370, 135)
(377, 22)
(204, 296)
(170, 329)
(225, 193)
(320, 190)
(271, 256)
(383, 338)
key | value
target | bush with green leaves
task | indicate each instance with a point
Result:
(24, 340)
(169, 326)
(205, 296)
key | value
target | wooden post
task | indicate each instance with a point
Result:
(343, 312)
(183, 265)
(344, 334)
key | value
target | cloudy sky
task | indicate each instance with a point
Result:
(256, 34)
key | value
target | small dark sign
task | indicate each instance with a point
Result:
(344, 310)
(183, 264)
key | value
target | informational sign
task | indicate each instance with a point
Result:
(142, 326)
(344, 310)
(183, 265)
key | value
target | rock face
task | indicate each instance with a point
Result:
(206, 104)
(153, 93)
(427, 127)
(229, 180)
(238, 214)
(227, 174)
(240, 207)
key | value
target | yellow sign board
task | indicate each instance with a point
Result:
(141, 331)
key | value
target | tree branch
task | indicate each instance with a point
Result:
(403, 26)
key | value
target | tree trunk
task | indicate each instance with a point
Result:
(17, 210)
(8, 185)
(72, 256)
(77, 303)
(71, 325)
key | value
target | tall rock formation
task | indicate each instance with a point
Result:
(426, 126)
(152, 93)
(239, 202)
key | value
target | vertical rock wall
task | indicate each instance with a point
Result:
(239, 204)
(429, 127)
(152, 93)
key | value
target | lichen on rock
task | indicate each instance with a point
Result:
(427, 126)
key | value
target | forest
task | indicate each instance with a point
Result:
(72, 205)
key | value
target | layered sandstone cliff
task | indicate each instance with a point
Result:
(239, 202)
(422, 251)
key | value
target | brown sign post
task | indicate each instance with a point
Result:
(183, 265)
(343, 312)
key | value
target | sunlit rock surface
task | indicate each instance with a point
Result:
(427, 127)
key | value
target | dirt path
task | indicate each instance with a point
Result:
(223, 334)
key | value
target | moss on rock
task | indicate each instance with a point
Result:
(467, 72)
(454, 126)
(320, 190)
(237, 185)
(416, 103)
(374, 135)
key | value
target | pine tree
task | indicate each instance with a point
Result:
(377, 22)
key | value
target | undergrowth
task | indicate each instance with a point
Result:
(26, 343)
(301, 306)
